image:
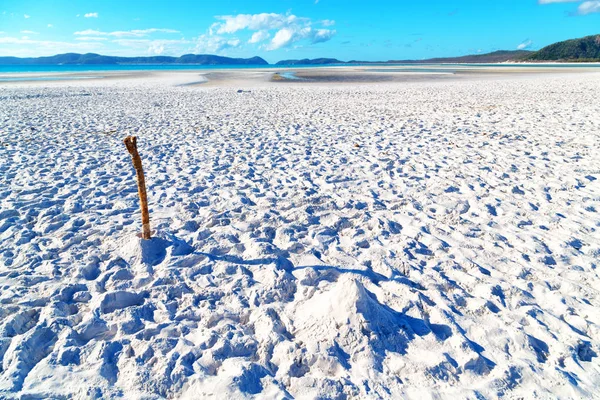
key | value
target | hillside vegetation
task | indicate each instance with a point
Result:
(578, 50)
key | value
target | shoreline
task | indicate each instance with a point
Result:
(308, 75)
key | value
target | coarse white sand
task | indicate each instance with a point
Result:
(426, 240)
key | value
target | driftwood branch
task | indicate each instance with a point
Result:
(131, 144)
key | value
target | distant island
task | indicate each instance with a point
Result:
(314, 61)
(487, 58)
(586, 49)
(91, 58)
(500, 56)
(495, 57)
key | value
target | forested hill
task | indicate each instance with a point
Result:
(577, 50)
(494, 57)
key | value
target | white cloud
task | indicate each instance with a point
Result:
(589, 7)
(259, 36)
(255, 22)
(88, 32)
(30, 33)
(286, 36)
(154, 30)
(215, 44)
(585, 8)
(26, 47)
(96, 41)
(153, 47)
(126, 34)
(26, 16)
(233, 42)
(50, 26)
(91, 38)
(287, 29)
(525, 45)
(91, 15)
(321, 35)
(282, 38)
(156, 48)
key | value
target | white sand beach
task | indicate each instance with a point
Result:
(431, 237)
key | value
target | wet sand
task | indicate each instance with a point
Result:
(266, 77)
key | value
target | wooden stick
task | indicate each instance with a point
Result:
(131, 144)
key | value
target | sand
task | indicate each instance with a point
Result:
(425, 239)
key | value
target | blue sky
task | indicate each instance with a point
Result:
(275, 30)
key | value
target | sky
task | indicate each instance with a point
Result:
(368, 30)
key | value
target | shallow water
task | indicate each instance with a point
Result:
(45, 78)
(417, 70)
(191, 67)
(290, 75)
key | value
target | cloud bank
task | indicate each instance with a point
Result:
(240, 32)
(269, 30)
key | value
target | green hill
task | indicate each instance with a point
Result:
(306, 61)
(586, 49)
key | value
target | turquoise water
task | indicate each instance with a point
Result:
(422, 70)
(189, 67)
(45, 78)
(290, 75)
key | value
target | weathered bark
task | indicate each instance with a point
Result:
(131, 144)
